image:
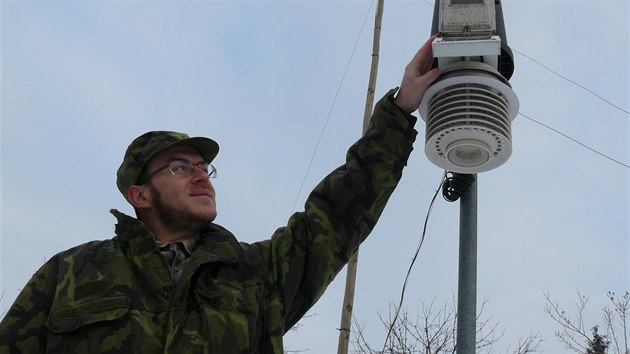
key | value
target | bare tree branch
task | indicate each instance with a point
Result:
(617, 316)
(528, 344)
(569, 328)
(297, 327)
(572, 330)
(433, 331)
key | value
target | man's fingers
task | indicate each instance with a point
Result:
(423, 60)
(432, 75)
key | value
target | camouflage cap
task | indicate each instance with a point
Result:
(147, 145)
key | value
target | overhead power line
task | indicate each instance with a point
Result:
(332, 106)
(575, 141)
(573, 82)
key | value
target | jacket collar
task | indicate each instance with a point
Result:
(216, 244)
(133, 233)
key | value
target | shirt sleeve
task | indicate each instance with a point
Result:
(24, 328)
(341, 211)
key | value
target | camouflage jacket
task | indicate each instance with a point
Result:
(116, 296)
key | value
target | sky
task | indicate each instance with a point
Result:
(281, 85)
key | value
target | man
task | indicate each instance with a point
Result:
(172, 281)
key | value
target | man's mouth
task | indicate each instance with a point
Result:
(202, 194)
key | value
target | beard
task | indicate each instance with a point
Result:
(176, 219)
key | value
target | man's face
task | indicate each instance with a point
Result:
(181, 202)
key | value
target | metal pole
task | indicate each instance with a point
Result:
(467, 281)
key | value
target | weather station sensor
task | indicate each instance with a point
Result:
(469, 110)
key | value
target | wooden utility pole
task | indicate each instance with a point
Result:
(351, 275)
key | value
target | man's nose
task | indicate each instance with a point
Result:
(199, 173)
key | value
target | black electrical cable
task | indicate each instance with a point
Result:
(453, 186)
(413, 260)
(456, 185)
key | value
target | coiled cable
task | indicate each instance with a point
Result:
(456, 185)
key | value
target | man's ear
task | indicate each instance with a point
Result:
(139, 197)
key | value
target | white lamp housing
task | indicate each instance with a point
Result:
(468, 111)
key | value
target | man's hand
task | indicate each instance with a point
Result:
(417, 78)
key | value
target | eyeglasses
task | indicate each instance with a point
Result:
(183, 168)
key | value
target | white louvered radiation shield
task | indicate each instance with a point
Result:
(468, 114)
